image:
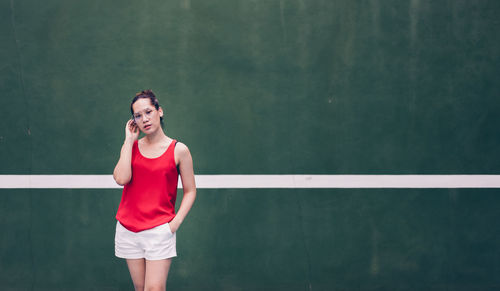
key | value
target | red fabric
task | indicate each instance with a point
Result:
(148, 200)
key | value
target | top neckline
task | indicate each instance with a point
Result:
(139, 151)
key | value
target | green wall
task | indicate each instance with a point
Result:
(258, 87)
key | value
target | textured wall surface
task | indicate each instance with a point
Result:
(258, 87)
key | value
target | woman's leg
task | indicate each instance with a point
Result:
(137, 269)
(156, 274)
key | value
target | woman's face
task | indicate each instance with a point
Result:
(146, 116)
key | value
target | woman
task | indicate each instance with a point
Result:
(148, 169)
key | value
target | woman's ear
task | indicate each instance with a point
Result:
(160, 110)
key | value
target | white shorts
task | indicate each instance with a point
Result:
(157, 243)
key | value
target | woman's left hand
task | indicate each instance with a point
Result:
(173, 226)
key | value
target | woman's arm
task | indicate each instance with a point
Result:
(123, 170)
(188, 185)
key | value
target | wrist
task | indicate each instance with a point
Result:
(129, 141)
(175, 223)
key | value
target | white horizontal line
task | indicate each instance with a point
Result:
(263, 181)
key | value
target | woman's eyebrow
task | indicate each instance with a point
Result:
(142, 111)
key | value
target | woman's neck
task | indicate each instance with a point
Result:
(155, 137)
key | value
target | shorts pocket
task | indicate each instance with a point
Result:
(168, 227)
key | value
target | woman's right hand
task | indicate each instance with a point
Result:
(131, 130)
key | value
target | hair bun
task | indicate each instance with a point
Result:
(147, 92)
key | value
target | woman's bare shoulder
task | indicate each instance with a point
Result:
(181, 148)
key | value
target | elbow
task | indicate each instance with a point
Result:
(122, 181)
(189, 192)
(192, 194)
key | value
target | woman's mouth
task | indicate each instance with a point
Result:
(148, 126)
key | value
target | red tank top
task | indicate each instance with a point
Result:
(148, 200)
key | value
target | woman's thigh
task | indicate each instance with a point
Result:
(157, 273)
(137, 269)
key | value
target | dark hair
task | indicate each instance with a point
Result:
(146, 94)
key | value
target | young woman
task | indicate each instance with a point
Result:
(148, 169)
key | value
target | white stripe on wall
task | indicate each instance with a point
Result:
(263, 181)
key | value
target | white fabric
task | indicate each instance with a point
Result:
(157, 243)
